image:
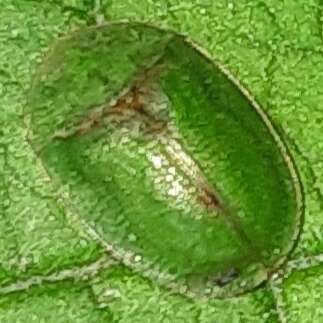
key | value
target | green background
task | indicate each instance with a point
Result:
(274, 47)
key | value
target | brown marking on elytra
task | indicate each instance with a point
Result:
(93, 120)
(130, 101)
(135, 103)
(208, 198)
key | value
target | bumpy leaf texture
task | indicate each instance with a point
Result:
(50, 238)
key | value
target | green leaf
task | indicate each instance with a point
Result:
(273, 47)
(301, 295)
(60, 302)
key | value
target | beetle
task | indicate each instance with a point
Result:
(225, 194)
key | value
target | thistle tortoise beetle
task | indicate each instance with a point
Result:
(168, 157)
